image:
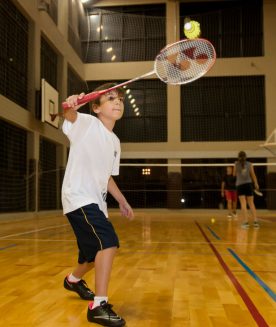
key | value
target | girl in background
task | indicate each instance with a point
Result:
(245, 179)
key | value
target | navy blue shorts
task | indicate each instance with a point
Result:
(94, 232)
(245, 189)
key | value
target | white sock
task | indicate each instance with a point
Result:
(98, 300)
(72, 279)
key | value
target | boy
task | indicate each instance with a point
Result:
(94, 157)
(228, 189)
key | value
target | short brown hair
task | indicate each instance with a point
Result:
(119, 90)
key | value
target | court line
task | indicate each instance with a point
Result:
(246, 299)
(247, 269)
(8, 246)
(33, 231)
(223, 242)
(213, 233)
(37, 240)
(254, 275)
(124, 242)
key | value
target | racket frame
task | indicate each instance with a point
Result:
(94, 95)
(257, 192)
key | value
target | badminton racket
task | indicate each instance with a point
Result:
(257, 192)
(179, 63)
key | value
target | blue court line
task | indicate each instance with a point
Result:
(213, 233)
(260, 282)
(8, 246)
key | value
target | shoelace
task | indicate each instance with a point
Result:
(84, 285)
(107, 308)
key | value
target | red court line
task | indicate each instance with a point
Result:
(246, 299)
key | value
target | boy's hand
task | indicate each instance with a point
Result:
(72, 101)
(126, 210)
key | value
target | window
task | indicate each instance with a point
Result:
(223, 109)
(52, 9)
(235, 27)
(13, 168)
(48, 176)
(143, 186)
(14, 29)
(131, 33)
(145, 116)
(48, 63)
(76, 85)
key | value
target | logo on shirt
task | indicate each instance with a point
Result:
(104, 195)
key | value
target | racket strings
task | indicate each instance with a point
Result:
(184, 62)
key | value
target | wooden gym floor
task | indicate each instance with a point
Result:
(174, 269)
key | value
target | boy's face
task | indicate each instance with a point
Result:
(229, 170)
(111, 106)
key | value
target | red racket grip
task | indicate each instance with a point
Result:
(88, 97)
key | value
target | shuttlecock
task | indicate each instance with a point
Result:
(191, 29)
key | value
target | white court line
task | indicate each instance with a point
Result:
(37, 240)
(33, 231)
(125, 242)
(222, 242)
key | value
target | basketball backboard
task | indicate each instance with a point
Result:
(49, 104)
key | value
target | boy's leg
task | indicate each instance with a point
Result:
(75, 283)
(100, 311)
(82, 268)
(103, 265)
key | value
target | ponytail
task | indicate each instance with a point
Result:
(242, 158)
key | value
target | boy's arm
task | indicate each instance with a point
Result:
(71, 113)
(125, 208)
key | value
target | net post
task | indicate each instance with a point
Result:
(174, 185)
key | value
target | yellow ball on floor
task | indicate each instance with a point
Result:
(213, 220)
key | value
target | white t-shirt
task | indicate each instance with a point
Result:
(94, 156)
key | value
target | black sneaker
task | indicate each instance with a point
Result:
(105, 316)
(81, 288)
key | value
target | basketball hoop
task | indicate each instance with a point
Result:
(270, 143)
(271, 147)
